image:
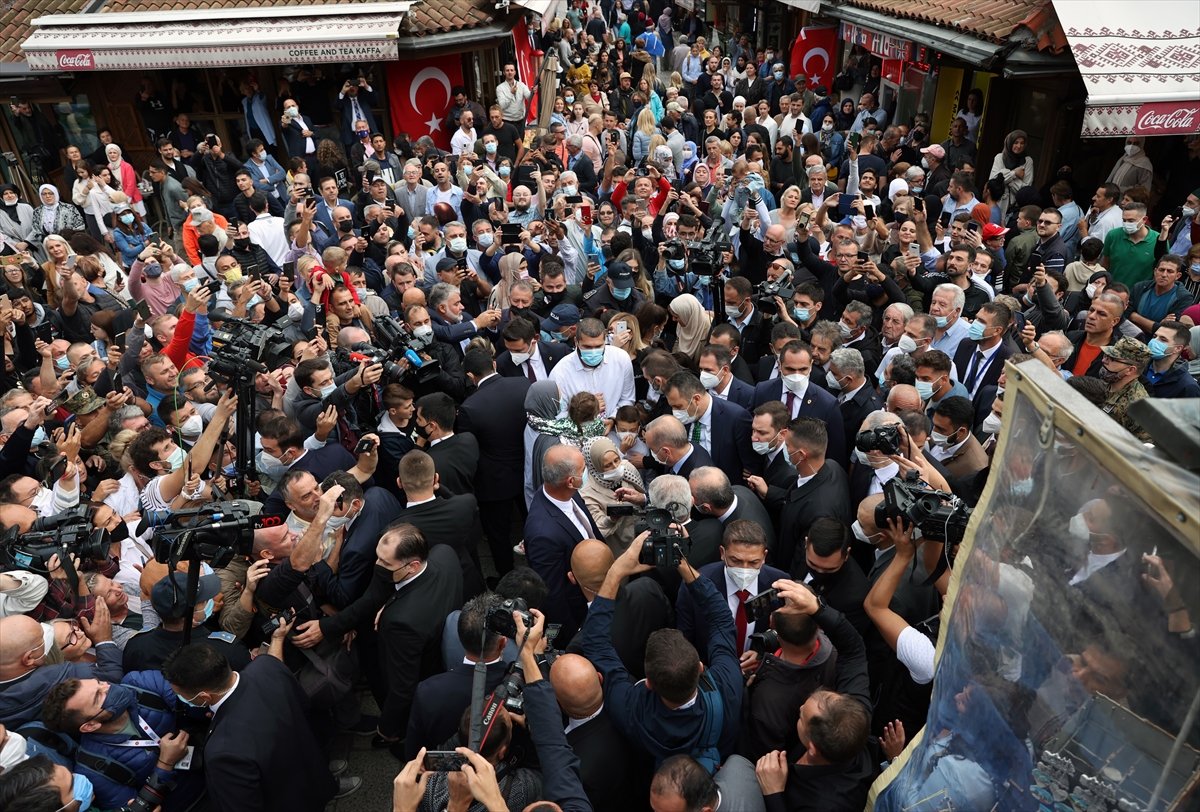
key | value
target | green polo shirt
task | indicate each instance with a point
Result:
(1129, 262)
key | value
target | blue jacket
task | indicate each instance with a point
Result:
(141, 761)
(256, 107)
(21, 699)
(276, 180)
(1174, 383)
(638, 712)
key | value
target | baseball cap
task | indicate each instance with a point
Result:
(991, 231)
(85, 401)
(1129, 350)
(621, 275)
(936, 150)
(563, 315)
(169, 596)
(446, 264)
(201, 215)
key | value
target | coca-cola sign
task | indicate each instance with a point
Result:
(75, 60)
(1168, 118)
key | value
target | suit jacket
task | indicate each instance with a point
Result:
(454, 522)
(439, 703)
(743, 371)
(293, 138)
(551, 353)
(495, 415)
(730, 440)
(806, 195)
(689, 618)
(855, 410)
(457, 460)
(261, 752)
(780, 473)
(607, 765)
(705, 535)
(550, 538)
(749, 507)
(816, 403)
(741, 393)
(323, 216)
(755, 337)
(585, 172)
(871, 348)
(962, 363)
(968, 460)
(642, 609)
(699, 458)
(826, 494)
(410, 634)
(762, 370)
(366, 100)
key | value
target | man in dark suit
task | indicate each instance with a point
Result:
(824, 563)
(768, 438)
(455, 455)
(820, 489)
(607, 760)
(327, 206)
(440, 700)
(525, 355)
(803, 399)
(354, 103)
(667, 440)
(413, 589)
(716, 374)
(449, 519)
(979, 362)
(579, 163)
(857, 333)
(557, 521)
(713, 495)
(260, 752)
(847, 379)
(495, 415)
(741, 573)
(727, 336)
(283, 450)
(642, 606)
(747, 319)
(719, 427)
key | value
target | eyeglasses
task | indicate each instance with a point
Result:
(1044, 222)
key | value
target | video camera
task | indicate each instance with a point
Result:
(661, 548)
(396, 344)
(67, 533)
(242, 349)
(764, 297)
(214, 533)
(940, 516)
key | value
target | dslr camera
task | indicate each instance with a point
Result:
(499, 619)
(661, 548)
(764, 297)
(764, 642)
(884, 439)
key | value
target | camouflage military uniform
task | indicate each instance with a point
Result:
(1117, 405)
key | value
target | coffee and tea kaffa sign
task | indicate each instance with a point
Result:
(85, 59)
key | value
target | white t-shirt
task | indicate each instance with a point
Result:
(916, 651)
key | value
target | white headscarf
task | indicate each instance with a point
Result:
(49, 213)
(115, 166)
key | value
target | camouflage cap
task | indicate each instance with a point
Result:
(85, 401)
(1129, 350)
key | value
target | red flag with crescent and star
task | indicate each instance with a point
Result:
(813, 53)
(526, 55)
(420, 96)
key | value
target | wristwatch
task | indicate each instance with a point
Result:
(1034, 346)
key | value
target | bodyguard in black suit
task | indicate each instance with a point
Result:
(805, 400)
(414, 588)
(495, 415)
(716, 361)
(720, 427)
(455, 455)
(823, 491)
(746, 319)
(260, 752)
(823, 562)
(543, 355)
(551, 535)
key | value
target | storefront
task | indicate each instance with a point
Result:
(130, 72)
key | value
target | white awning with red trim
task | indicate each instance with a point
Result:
(206, 38)
(1140, 62)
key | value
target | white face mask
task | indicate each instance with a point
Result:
(907, 344)
(615, 475)
(708, 380)
(991, 424)
(296, 312)
(192, 427)
(1132, 149)
(519, 358)
(458, 244)
(860, 534)
(938, 439)
(13, 752)
(743, 577)
(338, 522)
(795, 383)
(762, 446)
(1090, 291)
(1078, 528)
(683, 416)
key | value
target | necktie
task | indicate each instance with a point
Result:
(529, 373)
(356, 110)
(696, 432)
(581, 518)
(790, 402)
(976, 366)
(739, 619)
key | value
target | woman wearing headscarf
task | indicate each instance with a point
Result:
(511, 272)
(690, 159)
(692, 325)
(606, 472)
(542, 408)
(18, 223)
(54, 216)
(123, 171)
(1014, 166)
(665, 30)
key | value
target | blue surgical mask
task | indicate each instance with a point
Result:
(208, 609)
(190, 284)
(621, 294)
(593, 357)
(975, 331)
(326, 391)
(254, 302)
(82, 791)
(800, 313)
(39, 436)
(676, 264)
(1158, 348)
(412, 232)
(176, 459)
(924, 389)
(191, 703)
(61, 363)
(942, 321)
(127, 219)
(570, 189)
(468, 169)
(490, 147)
(505, 171)
(553, 336)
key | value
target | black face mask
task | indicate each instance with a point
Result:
(554, 298)
(383, 573)
(242, 243)
(518, 311)
(119, 533)
(345, 226)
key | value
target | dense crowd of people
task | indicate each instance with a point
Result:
(539, 424)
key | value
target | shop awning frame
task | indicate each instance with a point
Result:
(1140, 63)
(206, 38)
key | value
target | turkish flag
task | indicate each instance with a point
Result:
(812, 55)
(523, 47)
(422, 96)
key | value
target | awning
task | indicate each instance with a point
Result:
(804, 5)
(1140, 62)
(207, 38)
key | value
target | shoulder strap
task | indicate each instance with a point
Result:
(114, 771)
(705, 750)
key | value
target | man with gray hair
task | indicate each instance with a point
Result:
(713, 495)
(667, 439)
(847, 378)
(580, 172)
(558, 520)
(1059, 348)
(704, 534)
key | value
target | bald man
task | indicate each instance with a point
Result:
(25, 679)
(904, 398)
(606, 763)
(642, 606)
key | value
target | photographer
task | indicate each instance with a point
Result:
(682, 707)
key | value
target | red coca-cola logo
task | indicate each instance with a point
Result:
(1167, 118)
(75, 60)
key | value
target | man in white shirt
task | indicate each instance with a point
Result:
(511, 95)
(596, 367)
(463, 140)
(946, 307)
(268, 232)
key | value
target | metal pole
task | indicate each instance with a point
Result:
(1184, 731)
